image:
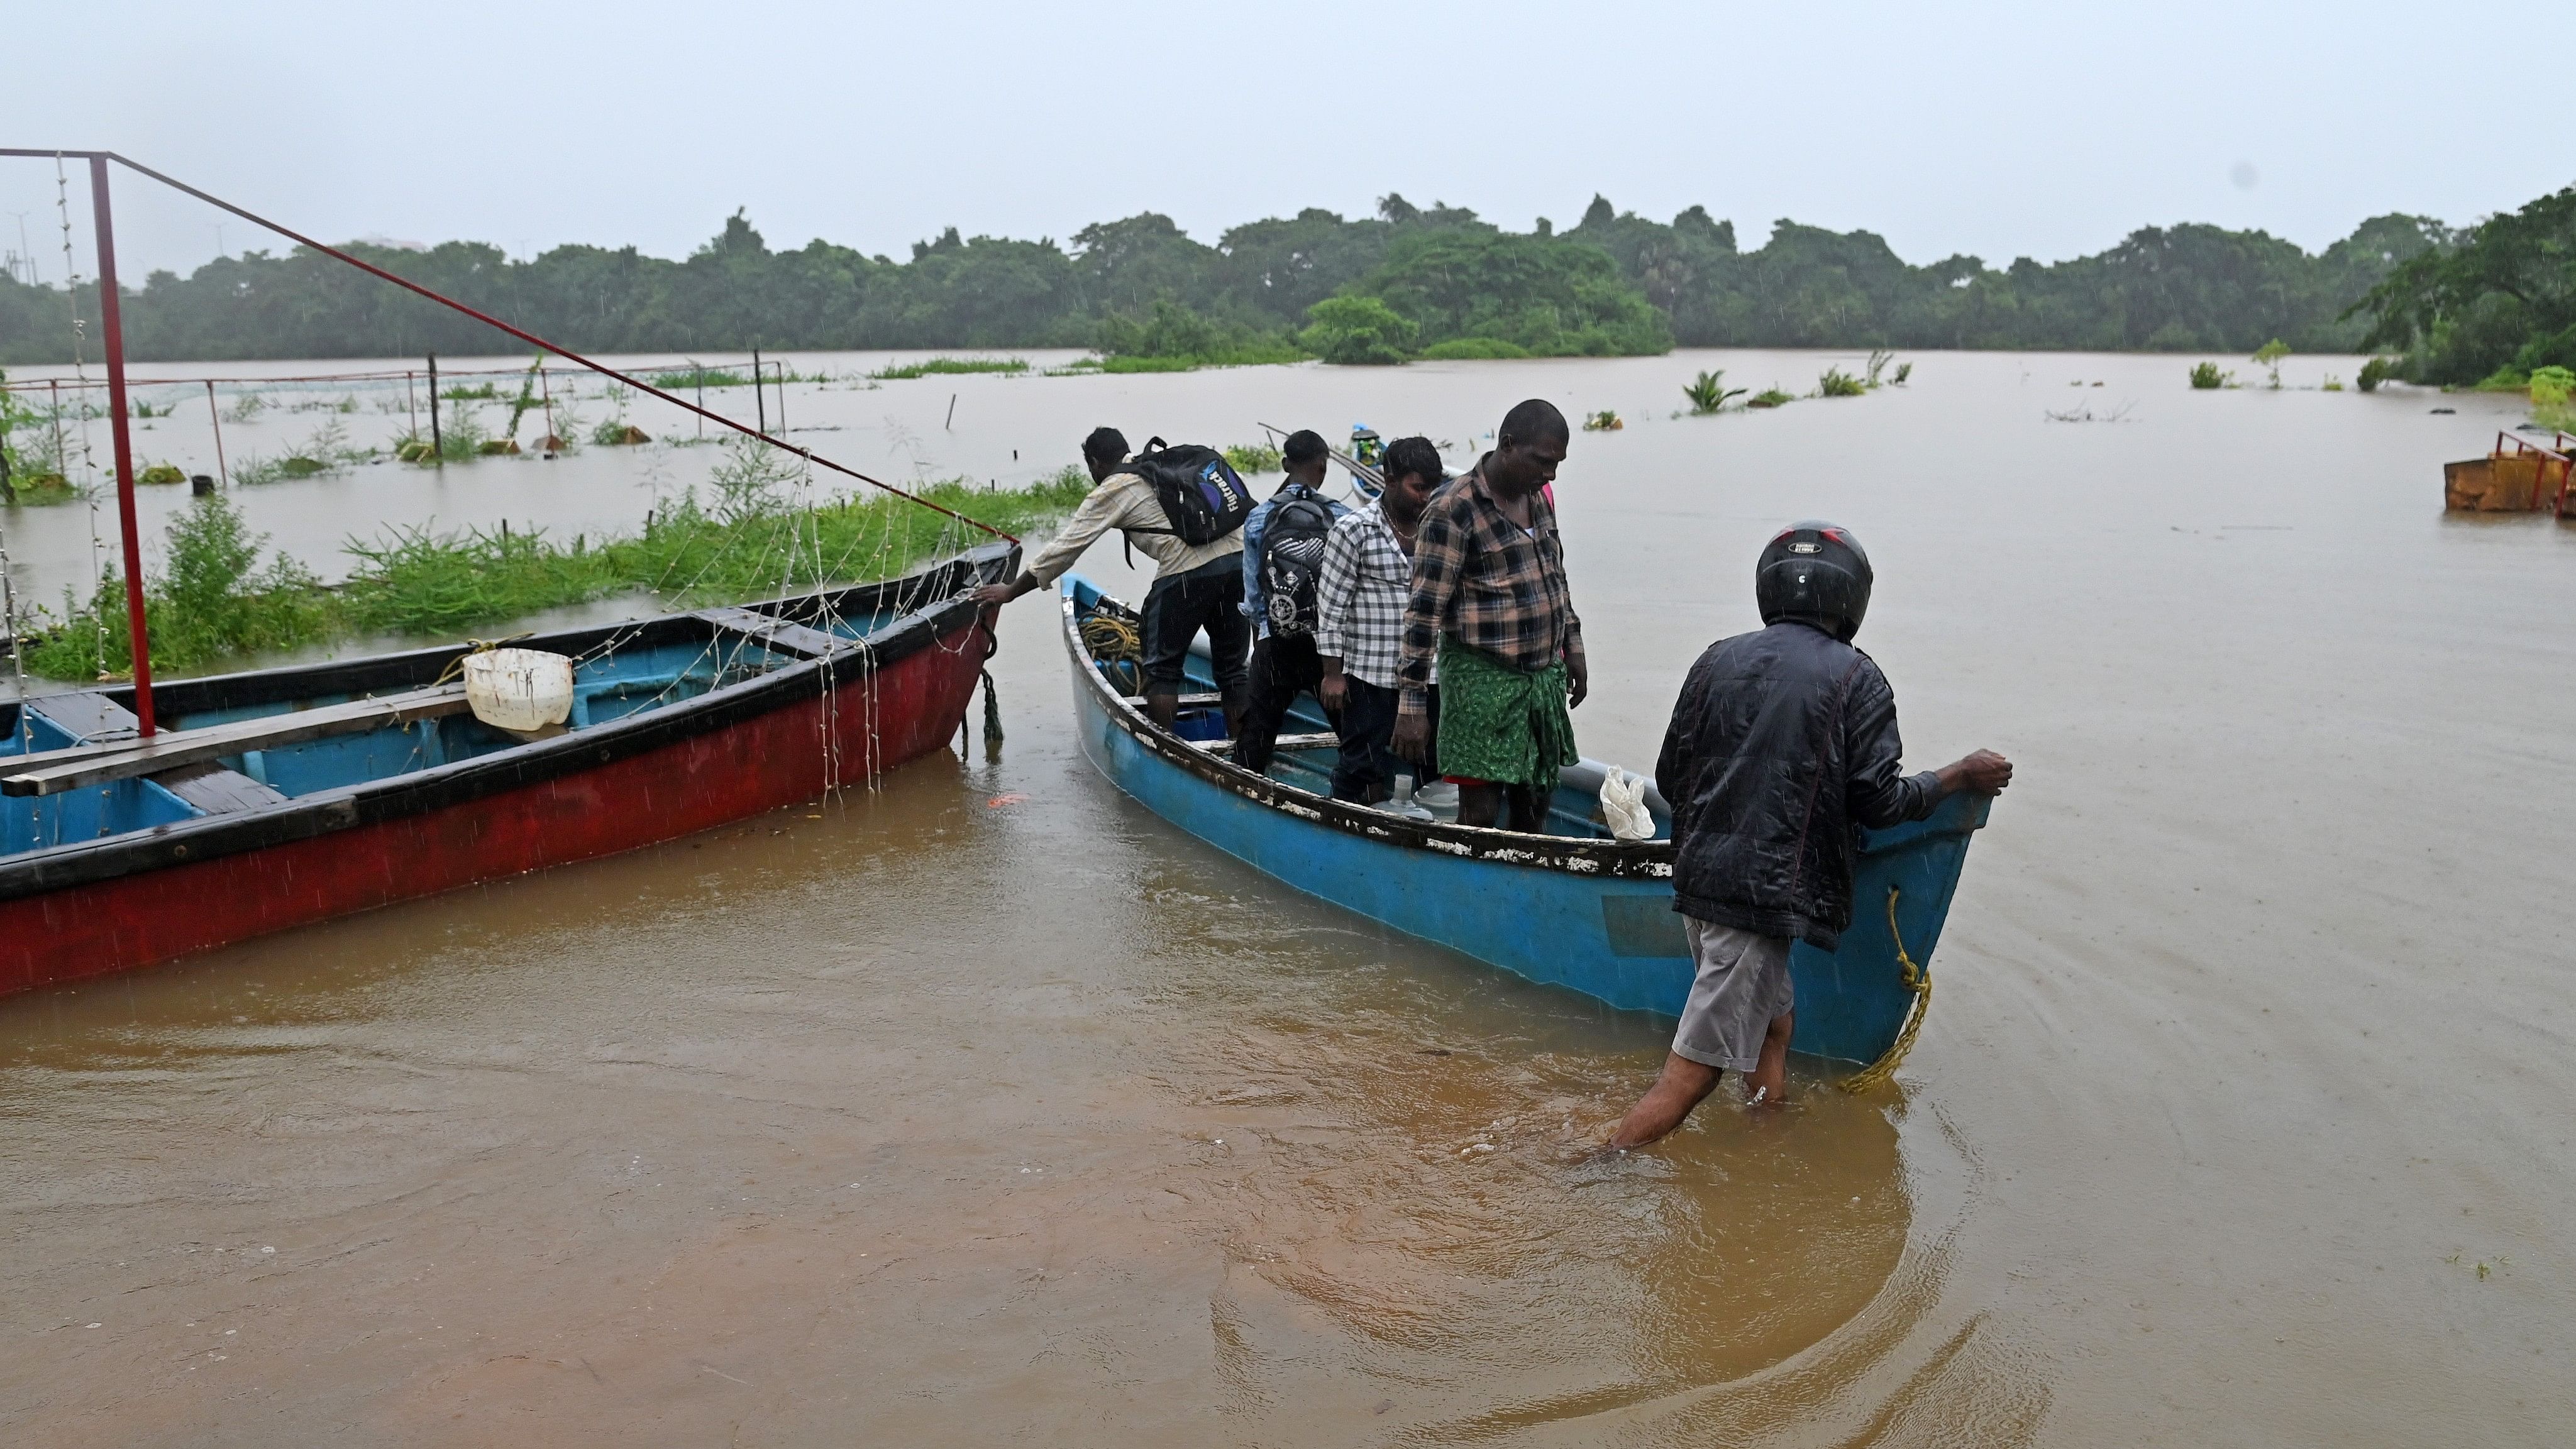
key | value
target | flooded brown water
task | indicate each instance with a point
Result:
(985, 1108)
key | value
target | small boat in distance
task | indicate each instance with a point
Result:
(1573, 907)
(285, 796)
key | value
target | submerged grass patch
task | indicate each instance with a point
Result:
(753, 537)
(945, 366)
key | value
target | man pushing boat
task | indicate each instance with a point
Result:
(1491, 610)
(1782, 746)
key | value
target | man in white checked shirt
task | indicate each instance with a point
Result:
(1366, 579)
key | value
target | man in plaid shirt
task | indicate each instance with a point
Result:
(1491, 610)
(1365, 581)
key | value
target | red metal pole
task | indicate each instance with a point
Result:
(112, 332)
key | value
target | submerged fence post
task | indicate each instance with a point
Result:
(437, 444)
(759, 391)
(217, 414)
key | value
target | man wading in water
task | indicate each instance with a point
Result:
(1782, 746)
(1491, 608)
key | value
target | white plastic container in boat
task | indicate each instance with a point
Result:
(519, 689)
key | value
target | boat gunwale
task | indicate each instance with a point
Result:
(419, 792)
(1594, 859)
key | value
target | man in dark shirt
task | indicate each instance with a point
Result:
(1491, 610)
(1782, 747)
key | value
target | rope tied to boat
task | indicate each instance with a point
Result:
(1916, 980)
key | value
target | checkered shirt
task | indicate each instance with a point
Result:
(1477, 575)
(1360, 595)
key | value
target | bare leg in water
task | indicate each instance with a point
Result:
(1684, 1084)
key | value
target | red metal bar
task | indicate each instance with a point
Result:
(99, 158)
(112, 329)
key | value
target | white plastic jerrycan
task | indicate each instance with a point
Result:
(519, 689)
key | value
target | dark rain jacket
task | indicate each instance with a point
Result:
(1782, 747)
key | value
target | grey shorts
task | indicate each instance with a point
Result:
(1743, 985)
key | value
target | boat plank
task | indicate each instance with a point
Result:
(772, 632)
(88, 715)
(217, 791)
(54, 771)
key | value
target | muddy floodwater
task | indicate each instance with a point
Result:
(982, 1107)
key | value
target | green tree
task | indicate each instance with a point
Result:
(1357, 330)
(2501, 296)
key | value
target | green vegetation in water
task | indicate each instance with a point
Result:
(160, 475)
(480, 392)
(1837, 383)
(1770, 397)
(2378, 370)
(1170, 337)
(1475, 349)
(1251, 458)
(2205, 377)
(2497, 297)
(1604, 421)
(2552, 388)
(946, 366)
(1357, 332)
(2269, 355)
(750, 538)
(1708, 393)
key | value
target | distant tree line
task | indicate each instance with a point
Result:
(1409, 281)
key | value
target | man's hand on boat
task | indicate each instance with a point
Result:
(999, 594)
(1985, 773)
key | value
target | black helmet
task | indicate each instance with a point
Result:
(1814, 570)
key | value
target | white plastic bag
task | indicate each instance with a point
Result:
(519, 689)
(1623, 804)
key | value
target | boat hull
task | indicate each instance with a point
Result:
(1593, 917)
(733, 753)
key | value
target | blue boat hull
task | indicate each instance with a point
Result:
(1587, 913)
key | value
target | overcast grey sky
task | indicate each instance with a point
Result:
(2002, 130)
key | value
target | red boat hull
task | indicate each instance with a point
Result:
(910, 706)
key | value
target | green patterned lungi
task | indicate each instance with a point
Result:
(1499, 723)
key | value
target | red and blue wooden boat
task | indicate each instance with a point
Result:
(280, 797)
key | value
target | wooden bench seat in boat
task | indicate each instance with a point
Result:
(51, 772)
(771, 632)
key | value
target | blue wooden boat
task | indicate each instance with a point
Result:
(1573, 907)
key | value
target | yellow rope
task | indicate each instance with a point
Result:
(456, 667)
(1918, 981)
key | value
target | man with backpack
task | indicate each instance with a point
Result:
(1782, 748)
(1185, 508)
(1283, 553)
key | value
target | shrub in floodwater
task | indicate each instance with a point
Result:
(160, 474)
(1604, 421)
(480, 392)
(1475, 349)
(1879, 358)
(2550, 386)
(211, 601)
(700, 377)
(1357, 332)
(2270, 355)
(2378, 370)
(1708, 392)
(246, 408)
(2205, 377)
(946, 366)
(1904, 372)
(1770, 397)
(1837, 383)
(1250, 458)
